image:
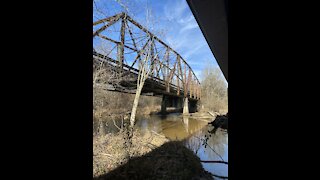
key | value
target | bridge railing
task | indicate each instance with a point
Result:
(128, 41)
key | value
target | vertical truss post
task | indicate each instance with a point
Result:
(191, 88)
(196, 92)
(185, 90)
(179, 69)
(121, 49)
(188, 81)
(167, 70)
(152, 59)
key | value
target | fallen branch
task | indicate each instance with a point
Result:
(223, 162)
(211, 148)
(211, 114)
(106, 154)
(222, 177)
(116, 124)
(214, 151)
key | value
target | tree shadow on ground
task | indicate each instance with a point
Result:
(172, 160)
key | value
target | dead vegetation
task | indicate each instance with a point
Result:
(214, 92)
(109, 150)
(172, 160)
(108, 105)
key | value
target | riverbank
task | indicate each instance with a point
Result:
(153, 156)
(109, 150)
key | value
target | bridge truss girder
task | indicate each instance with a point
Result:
(167, 66)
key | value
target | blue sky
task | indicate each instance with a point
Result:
(175, 21)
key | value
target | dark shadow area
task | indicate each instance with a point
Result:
(160, 115)
(164, 115)
(212, 17)
(168, 111)
(221, 121)
(172, 160)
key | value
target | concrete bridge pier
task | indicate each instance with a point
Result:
(189, 106)
(184, 105)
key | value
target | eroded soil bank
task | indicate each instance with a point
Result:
(109, 150)
(152, 157)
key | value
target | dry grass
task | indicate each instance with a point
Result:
(109, 151)
(172, 160)
(116, 104)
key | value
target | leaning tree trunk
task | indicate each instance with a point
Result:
(143, 75)
(144, 71)
(135, 104)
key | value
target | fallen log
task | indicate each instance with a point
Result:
(223, 162)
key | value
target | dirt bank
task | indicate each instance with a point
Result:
(109, 150)
(152, 157)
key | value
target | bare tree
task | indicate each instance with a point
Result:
(214, 90)
(144, 71)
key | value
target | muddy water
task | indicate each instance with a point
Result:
(192, 131)
(173, 126)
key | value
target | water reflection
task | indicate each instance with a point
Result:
(174, 127)
(216, 150)
(186, 123)
(217, 142)
(191, 131)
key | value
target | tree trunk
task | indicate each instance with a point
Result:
(135, 104)
(144, 71)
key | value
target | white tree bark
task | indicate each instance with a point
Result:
(135, 105)
(144, 71)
